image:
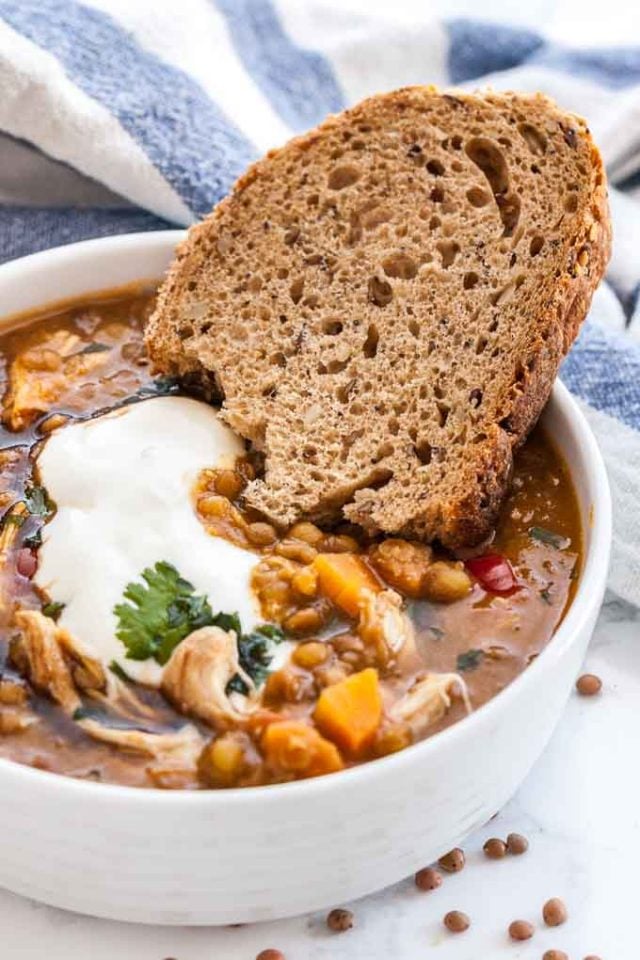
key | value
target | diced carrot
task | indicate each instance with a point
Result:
(349, 712)
(342, 577)
(298, 750)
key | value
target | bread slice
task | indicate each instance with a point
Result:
(384, 302)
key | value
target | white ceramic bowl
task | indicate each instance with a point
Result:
(256, 854)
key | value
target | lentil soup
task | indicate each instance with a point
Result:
(360, 648)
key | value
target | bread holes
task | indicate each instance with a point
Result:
(337, 366)
(278, 359)
(370, 346)
(282, 273)
(310, 453)
(345, 390)
(457, 167)
(400, 266)
(571, 203)
(423, 451)
(490, 160)
(475, 397)
(478, 197)
(470, 280)
(481, 344)
(448, 250)
(393, 427)
(296, 289)
(536, 245)
(379, 292)
(437, 195)
(435, 168)
(443, 414)
(343, 176)
(383, 451)
(414, 328)
(456, 142)
(332, 327)
(434, 223)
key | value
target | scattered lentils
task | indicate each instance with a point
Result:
(453, 862)
(554, 912)
(271, 954)
(555, 955)
(520, 930)
(340, 920)
(517, 844)
(495, 849)
(588, 685)
(428, 879)
(456, 922)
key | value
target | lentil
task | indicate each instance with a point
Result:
(588, 685)
(453, 862)
(495, 849)
(271, 954)
(456, 921)
(520, 930)
(554, 912)
(310, 655)
(517, 844)
(428, 879)
(340, 920)
(555, 955)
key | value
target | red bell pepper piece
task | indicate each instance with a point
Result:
(494, 573)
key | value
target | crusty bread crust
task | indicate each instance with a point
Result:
(492, 275)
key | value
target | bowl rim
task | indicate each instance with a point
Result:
(588, 594)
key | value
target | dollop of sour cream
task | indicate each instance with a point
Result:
(122, 484)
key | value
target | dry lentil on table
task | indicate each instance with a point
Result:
(340, 920)
(456, 921)
(588, 685)
(517, 844)
(495, 849)
(428, 879)
(521, 930)
(554, 912)
(454, 861)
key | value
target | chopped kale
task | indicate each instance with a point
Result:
(53, 609)
(34, 540)
(254, 653)
(548, 537)
(37, 501)
(469, 660)
(13, 519)
(117, 671)
(545, 594)
(94, 347)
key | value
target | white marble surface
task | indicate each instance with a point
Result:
(580, 808)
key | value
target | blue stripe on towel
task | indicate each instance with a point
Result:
(25, 230)
(603, 368)
(184, 134)
(298, 82)
(477, 48)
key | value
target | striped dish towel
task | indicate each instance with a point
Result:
(124, 115)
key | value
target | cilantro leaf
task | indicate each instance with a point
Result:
(160, 614)
(164, 609)
(469, 660)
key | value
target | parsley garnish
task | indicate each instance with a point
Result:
(548, 537)
(470, 660)
(53, 609)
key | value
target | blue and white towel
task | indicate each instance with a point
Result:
(124, 115)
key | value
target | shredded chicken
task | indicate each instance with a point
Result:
(39, 645)
(428, 700)
(384, 625)
(43, 375)
(182, 747)
(196, 677)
